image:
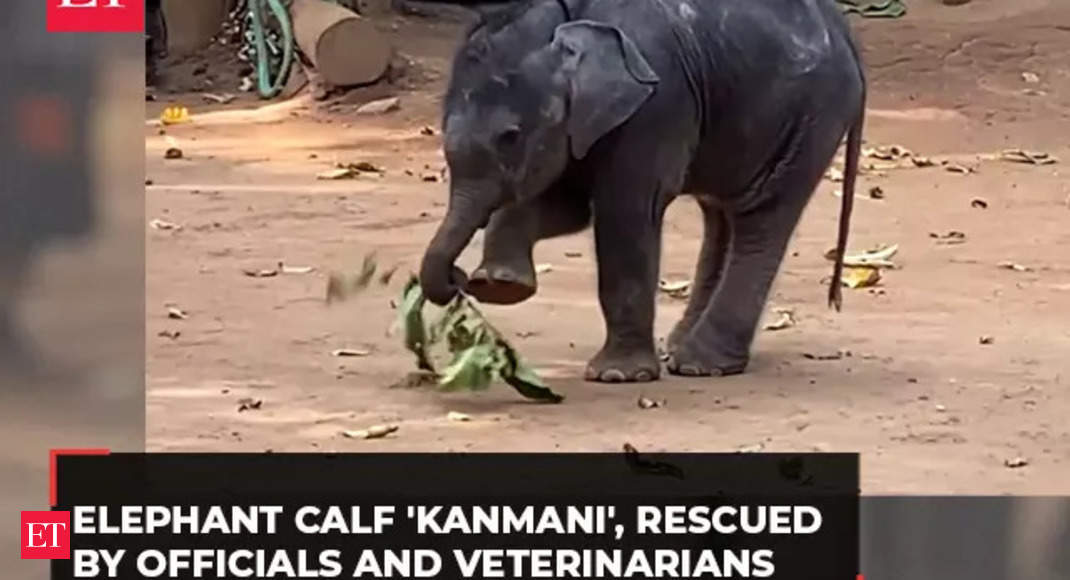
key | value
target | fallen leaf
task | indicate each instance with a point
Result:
(958, 168)
(164, 225)
(986, 339)
(543, 268)
(295, 269)
(573, 254)
(860, 276)
(827, 356)
(876, 193)
(919, 161)
(1015, 463)
(339, 173)
(1030, 77)
(877, 258)
(889, 153)
(172, 334)
(755, 448)
(350, 352)
(1023, 156)
(647, 403)
(373, 432)
(457, 417)
(785, 319)
(249, 404)
(176, 314)
(676, 289)
(172, 153)
(1015, 267)
(364, 167)
(950, 238)
(380, 106)
(978, 203)
(427, 132)
(264, 273)
(220, 99)
(429, 177)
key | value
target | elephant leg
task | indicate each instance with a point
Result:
(719, 342)
(628, 245)
(708, 270)
(507, 272)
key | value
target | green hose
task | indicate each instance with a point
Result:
(263, 69)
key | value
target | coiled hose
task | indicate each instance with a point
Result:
(266, 87)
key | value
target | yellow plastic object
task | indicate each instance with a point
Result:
(174, 115)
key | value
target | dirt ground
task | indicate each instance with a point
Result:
(931, 408)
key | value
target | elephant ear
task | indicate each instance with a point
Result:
(608, 79)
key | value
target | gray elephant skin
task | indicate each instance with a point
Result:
(564, 113)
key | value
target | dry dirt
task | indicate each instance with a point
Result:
(930, 408)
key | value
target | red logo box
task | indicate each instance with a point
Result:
(95, 15)
(45, 536)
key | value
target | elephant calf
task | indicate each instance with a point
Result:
(564, 112)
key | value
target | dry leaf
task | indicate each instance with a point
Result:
(986, 339)
(220, 99)
(677, 289)
(950, 238)
(1023, 156)
(374, 432)
(860, 276)
(876, 193)
(457, 417)
(295, 269)
(1015, 267)
(827, 356)
(264, 273)
(249, 404)
(978, 203)
(958, 168)
(573, 254)
(339, 173)
(429, 177)
(647, 403)
(350, 352)
(380, 106)
(164, 225)
(785, 319)
(876, 258)
(172, 334)
(1015, 463)
(1030, 77)
(427, 132)
(543, 268)
(172, 153)
(176, 314)
(922, 162)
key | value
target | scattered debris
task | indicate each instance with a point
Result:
(262, 273)
(648, 403)
(1029, 157)
(373, 432)
(1014, 266)
(785, 319)
(174, 116)
(679, 289)
(172, 153)
(834, 175)
(295, 269)
(986, 339)
(380, 106)
(755, 448)
(341, 352)
(543, 268)
(958, 168)
(1030, 77)
(919, 161)
(573, 254)
(249, 404)
(1015, 463)
(827, 356)
(458, 417)
(427, 132)
(337, 173)
(172, 334)
(979, 203)
(429, 177)
(952, 237)
(876, 192)
(223, 99)
(526, 334)
(880, 257)
(176, 313)
(873, 8)
(888, 153)
(164, 225)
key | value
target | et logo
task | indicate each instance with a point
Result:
(95, 15)
(45, 536)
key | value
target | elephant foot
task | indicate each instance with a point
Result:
(689, 361)
(624, 366)
(501, 285)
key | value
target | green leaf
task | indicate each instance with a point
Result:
(470, 369)
(411, 317)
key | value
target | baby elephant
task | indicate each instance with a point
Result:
(564, 112)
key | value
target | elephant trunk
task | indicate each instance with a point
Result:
(439, 278)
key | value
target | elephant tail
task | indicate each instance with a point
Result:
(850, 172)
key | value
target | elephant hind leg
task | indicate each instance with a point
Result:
(712, 257)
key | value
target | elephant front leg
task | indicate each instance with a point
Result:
(507, 272)
(628, 245)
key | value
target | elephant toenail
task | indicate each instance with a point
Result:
(613, 376)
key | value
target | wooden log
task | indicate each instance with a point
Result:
(344, 48)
